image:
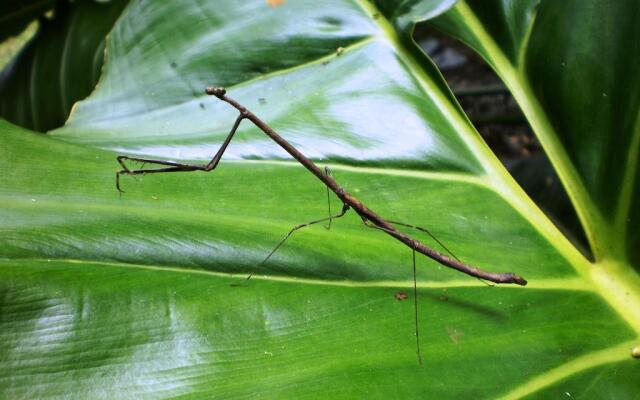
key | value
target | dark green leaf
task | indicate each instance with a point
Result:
(59, 66)
(577, 84)
(15, 15)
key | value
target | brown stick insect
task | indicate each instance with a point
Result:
(368, 216)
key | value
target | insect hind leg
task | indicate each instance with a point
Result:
(435, 238)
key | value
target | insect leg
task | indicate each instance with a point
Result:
(415, 306)
(328, 172)
(370, 225)
(173, 166)
(216, 158)
(126, 171)
(425, 230)
(415, 284)
(345, 208)
(428, 232)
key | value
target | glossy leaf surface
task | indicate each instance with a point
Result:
(283, 63)
(578, 87)
(148, 314)
(145, 295)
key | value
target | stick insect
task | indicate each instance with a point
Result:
(349, 202)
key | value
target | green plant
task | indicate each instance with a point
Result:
(136, 296)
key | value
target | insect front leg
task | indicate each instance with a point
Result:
(174, 166)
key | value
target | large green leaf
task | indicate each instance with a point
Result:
(580, 91)
(150, 314)
(145, 295)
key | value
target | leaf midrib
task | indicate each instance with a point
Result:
(613, 284)
(558, 284)
(594, 359)
(517, 83)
